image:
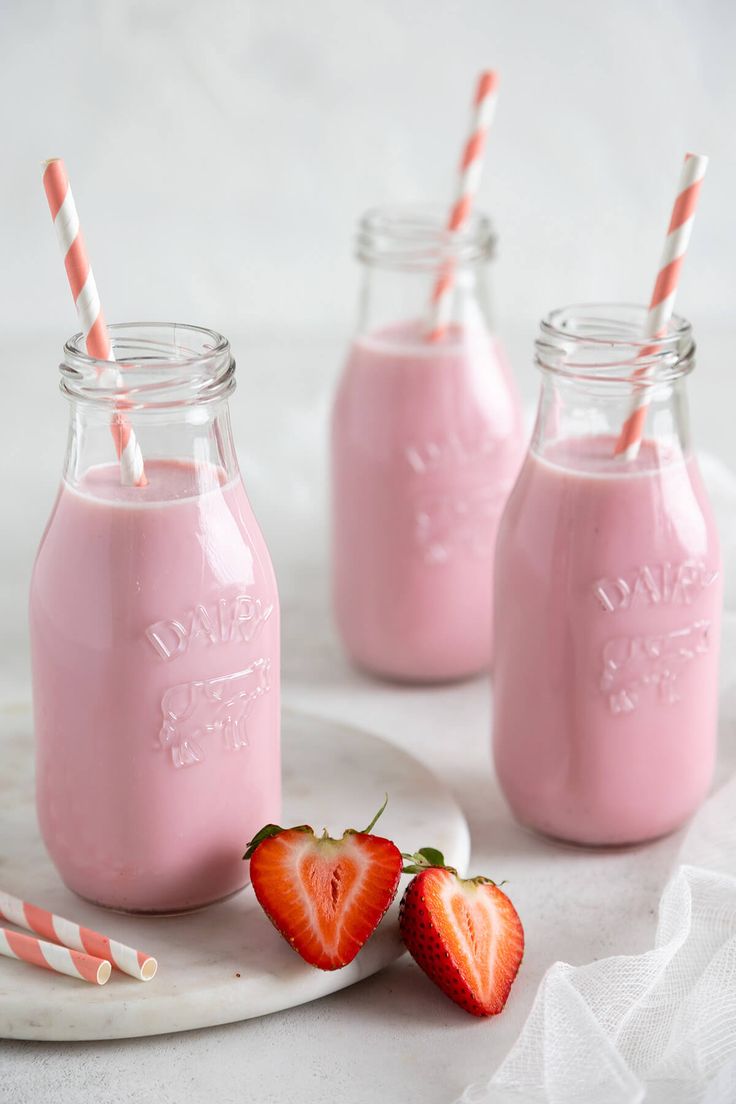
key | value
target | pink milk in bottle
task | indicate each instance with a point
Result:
(608, 597)
(426, 444)
(155, 640)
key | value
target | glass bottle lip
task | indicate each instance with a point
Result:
(157, 364)
(606, 342)
(414, 237)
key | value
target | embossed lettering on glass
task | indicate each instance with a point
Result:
(155, 636)
(426, 443)
(608, 593)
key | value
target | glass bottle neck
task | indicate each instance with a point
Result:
(161, 399)
(610, 390)
(395, 299)
(576, 419)
(185, 451)
(411, 261)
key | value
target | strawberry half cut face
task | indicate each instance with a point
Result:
(326, 896)
(466, 936)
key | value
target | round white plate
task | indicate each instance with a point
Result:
(225, 962)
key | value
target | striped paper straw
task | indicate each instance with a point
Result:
(71, 935)
(662, 302)
(51, 956)
(471, 167)
(89, 310)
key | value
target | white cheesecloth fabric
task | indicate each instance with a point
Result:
(658, 1027)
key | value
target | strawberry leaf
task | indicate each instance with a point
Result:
(265, 833)
(425, 859)
(432, 855)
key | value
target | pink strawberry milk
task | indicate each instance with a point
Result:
(426, 444)
(608, 594)
(155, 638)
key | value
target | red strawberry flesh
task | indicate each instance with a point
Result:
(325, 896)
(465, 935)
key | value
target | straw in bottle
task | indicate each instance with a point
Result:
(89, 310)
(662, 302)
(471, 168)
(76, 938)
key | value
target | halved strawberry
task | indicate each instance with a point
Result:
(326, 896)
(463, 932)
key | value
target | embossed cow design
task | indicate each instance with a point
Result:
(631, 664)
(446, 522)
(218, 706)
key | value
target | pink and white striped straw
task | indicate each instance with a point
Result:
(471, 168)
(662, 302)
(89, 310)
(51, 956)
(76, 938)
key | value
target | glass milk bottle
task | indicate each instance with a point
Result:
(426, 443)
(608, 593)
(154, 624)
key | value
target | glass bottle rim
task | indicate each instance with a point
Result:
(414, 237)
(156, 364)
(606, 342)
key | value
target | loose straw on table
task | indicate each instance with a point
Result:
(662, 302)
(471, 167)
(87, 301)
(76, 938)
(51, 956)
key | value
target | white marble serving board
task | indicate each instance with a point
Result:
(225, 962)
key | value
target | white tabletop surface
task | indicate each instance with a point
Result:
(393, 1037)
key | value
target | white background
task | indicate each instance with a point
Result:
(220, 154)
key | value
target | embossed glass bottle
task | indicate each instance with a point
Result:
(426, 443)
(155, 637)
(608, 593)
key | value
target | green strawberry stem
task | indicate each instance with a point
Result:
(271, 830)
(371, 826)
(425, 858)
(429, 858)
